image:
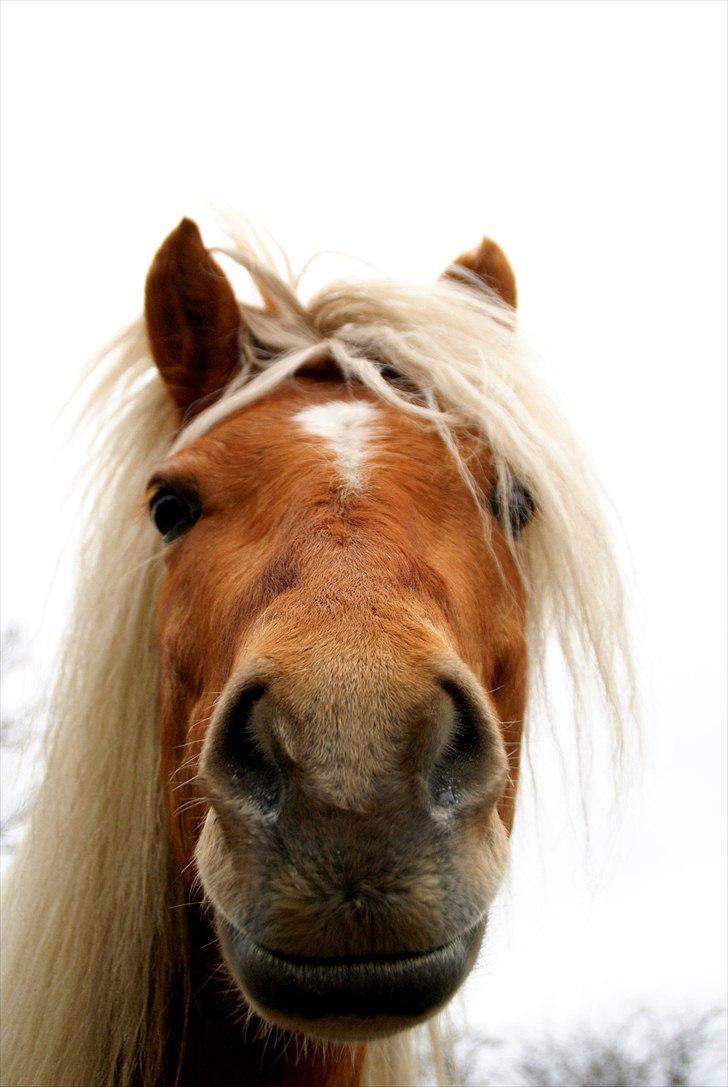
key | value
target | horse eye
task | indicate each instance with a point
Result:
(173, 512)
(520, 507)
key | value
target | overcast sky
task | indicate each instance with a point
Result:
(589, 140)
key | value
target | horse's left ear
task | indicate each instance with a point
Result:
(193, 320)
(490, 264)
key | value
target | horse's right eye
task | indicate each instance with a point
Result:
(173, 512)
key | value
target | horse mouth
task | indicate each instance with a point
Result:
(348, 999)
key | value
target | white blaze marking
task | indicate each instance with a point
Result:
(346, 426)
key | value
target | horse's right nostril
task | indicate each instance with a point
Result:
(244, 753)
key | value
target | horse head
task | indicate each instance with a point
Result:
(342, 637)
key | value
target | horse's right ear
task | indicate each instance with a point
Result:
(193, 320)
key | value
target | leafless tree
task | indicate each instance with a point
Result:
(642, 1052)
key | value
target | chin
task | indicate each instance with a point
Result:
(348, 999)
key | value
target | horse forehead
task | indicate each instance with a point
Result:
(347, 427)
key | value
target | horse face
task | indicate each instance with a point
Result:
(342, 683)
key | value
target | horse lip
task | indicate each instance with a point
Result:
(403, 987)
(357, 961)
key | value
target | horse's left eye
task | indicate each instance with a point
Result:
(173, 512)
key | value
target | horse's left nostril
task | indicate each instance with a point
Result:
(243, 754)
(461, 759)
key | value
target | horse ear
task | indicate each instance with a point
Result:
(193, 320)
(490, 264)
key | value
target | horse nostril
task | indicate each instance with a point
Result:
(244, 751)
(460, 761)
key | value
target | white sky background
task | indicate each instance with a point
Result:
(587, 139)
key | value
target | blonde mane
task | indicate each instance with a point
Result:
(93, 944)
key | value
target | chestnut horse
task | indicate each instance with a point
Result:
(287, 725)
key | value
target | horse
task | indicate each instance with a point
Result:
(327, 546)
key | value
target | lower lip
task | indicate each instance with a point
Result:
(390, 990)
